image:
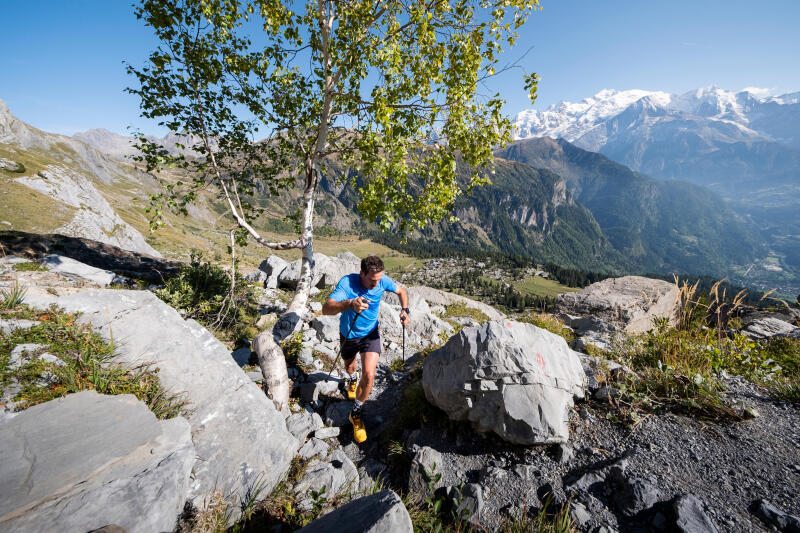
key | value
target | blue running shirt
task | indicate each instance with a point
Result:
(350, 287)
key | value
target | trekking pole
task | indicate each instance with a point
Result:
(340, 346)
(404, 344)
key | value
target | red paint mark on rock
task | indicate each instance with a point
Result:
(508, 324)
(540, 360)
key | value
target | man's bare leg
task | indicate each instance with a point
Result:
(351, 367)
(369, 360)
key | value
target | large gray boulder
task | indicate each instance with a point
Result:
(240, 439)
(630, 302)
(86, 460)
(272, 266)
(382, 512)
(424, 329)
(290, 275)
(326, 327)
(515, 379)
(339, 474)
(337, 267)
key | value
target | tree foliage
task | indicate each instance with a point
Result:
(389, 88)
(373, 83)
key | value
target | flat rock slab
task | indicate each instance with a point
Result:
(238, 435)
(85, 460)
(65, 265)
(382, 512)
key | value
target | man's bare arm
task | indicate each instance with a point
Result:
(332, 307)
(402, 293)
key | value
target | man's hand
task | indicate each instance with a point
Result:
(404, 318)
(359, 304)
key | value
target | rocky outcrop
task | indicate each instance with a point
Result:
(629, 303)
(383, 512)
(93, 253)
(239, 437)
(514, 379)
(87, 460)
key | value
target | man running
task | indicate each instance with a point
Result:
(357, 297)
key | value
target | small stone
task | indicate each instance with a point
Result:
(319, 365)
(255, 376)
(315, 306)
(471, 505)
(580, 515)
(241, 356)
(750, 412)
(327, 432)
(690, 517)
(309, 392)
(9, 325)
(312, 448)
(773, 516)
(605, 394)
(19, 350)
(564, 453)
(306, 356)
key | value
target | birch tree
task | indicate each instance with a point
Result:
(270, 93)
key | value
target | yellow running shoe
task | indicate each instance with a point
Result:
(350, 387)
(359, 432)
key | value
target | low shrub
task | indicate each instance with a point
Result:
(203, 291)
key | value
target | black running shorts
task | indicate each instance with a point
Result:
(371, 342)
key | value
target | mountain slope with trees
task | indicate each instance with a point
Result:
(660, 226)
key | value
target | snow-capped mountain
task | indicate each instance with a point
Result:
(737, 143)
(752, 114)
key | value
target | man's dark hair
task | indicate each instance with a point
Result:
(371, 263)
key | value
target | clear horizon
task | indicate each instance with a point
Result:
(63, 63)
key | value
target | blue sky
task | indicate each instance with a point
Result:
(61, 61)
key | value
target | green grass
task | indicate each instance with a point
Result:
(29, 266)
(545, 521)
(550, 323)
(679, 369)
(87, 365)
(461, 309)
(539, 286)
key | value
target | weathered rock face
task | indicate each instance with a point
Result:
(511, 378)
(93, 253)
(81, 462)
(383, 512)
(343, 264)
(767, 327)
(629, 302)
(94, 217)
(238, 435)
